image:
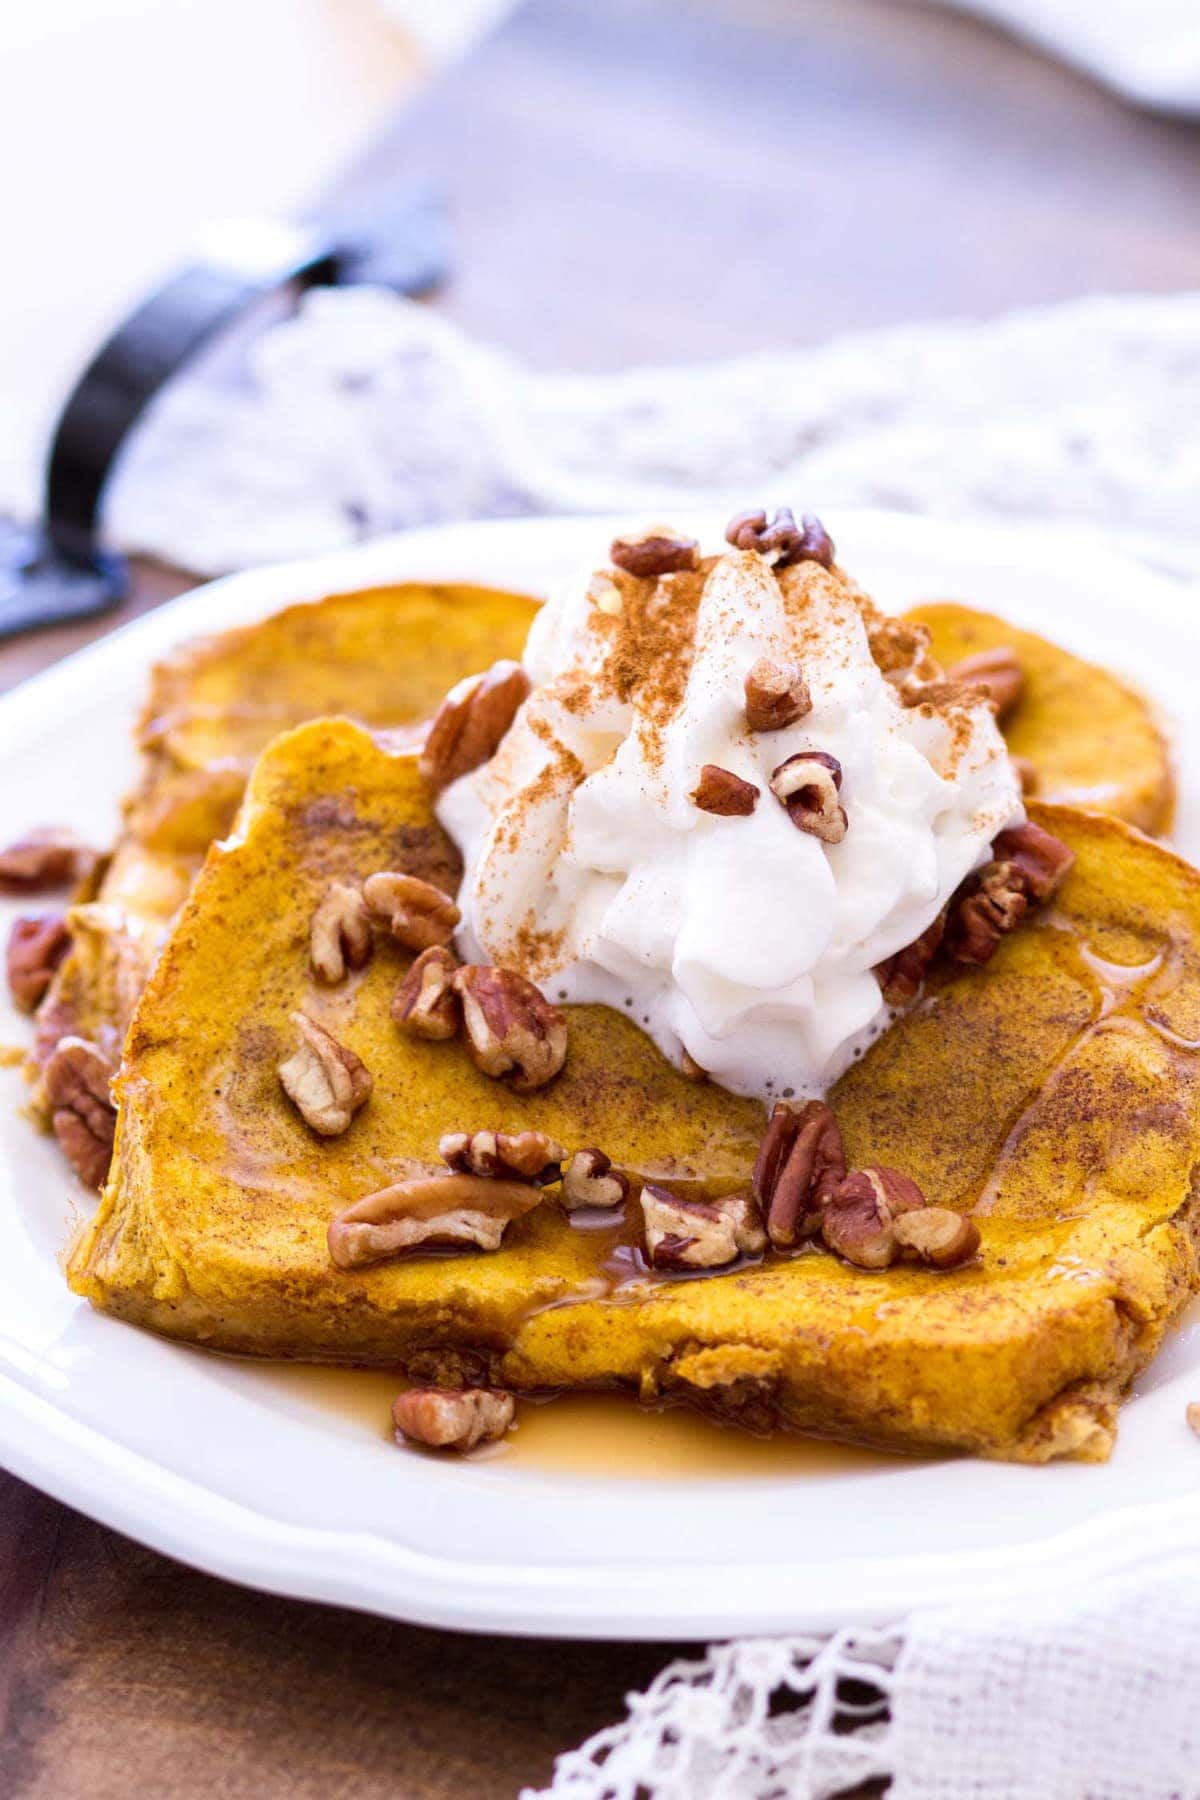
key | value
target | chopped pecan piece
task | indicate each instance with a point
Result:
(429, 1209)
(699, 1234)
(997, 672)
(589, 1179)
(781, 538)
(417, 914)
(858, 1222)
(45, 859)
(900, 976)
(326, 1082)
(84, 1119)
(36, 946)
(503, 1156)
(776, 695)
(690, 1067)
(452, 1418)
(340, 933)
(722, 792)
(511, 1027)
(938, 1236)
(658, 550)
(470, 723)
(807, 787)
(800, 1162)
(1192, 1414)
(425, 1003)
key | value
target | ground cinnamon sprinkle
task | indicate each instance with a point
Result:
(537, 953)
(899, 649)
(649, 645)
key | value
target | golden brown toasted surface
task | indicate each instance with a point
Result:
(382, 656)
(385, 656)
(1092, 740)
(1056, 1093)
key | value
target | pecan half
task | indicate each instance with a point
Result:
(900, 976)
(657, 550)
(48, 858)
(987, 908)
(800, 1162)
(776, 695)
(937, 1236)
(781, 538)
(1042, 860)
(82, 1113)
(998, 673)
(722, 792)
(511, 1027)
(36, 946)
(807, 787)
(1028, 866)
(417, 914)
(470, 723)
(325, 1082)
(452, 1419)
(340, 933)
(699, 1234)
(430, 1209)
(589, 1179)
(425, 1003)
(859, 1221)
(503, 1156)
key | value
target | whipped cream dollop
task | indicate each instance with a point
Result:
(742, 941)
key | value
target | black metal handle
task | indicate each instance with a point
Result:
(57, 570)
(146, 351)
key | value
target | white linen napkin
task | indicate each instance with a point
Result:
(365, 414)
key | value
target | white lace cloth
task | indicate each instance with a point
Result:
(1070, 1695)
(365, 414)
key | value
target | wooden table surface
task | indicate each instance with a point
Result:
(633, 179)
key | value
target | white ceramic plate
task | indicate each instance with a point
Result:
(221, 1464)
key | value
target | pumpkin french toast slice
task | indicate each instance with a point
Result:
(385, 656)
(1054, 1093)
(1089, 738)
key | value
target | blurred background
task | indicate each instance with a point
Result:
(626, 180)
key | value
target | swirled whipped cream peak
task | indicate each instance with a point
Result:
(731, 885)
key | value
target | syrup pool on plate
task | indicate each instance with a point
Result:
(581, 1434)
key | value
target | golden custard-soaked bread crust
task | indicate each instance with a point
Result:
(1053, 1092)
(384, 656)
(1092, 740)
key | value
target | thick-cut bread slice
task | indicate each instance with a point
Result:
(1092, 741)
(1056, 1093)
(385, 656)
